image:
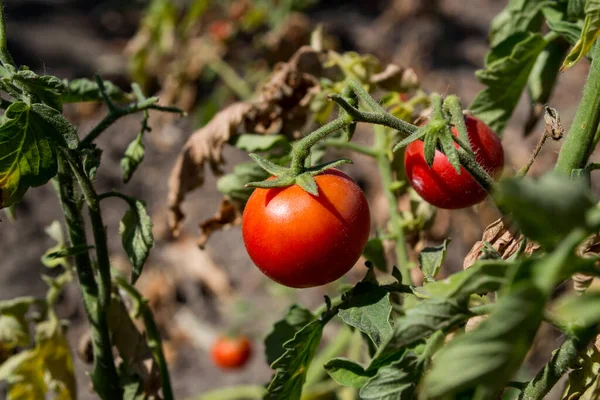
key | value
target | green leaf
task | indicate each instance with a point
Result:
(584, 377)
(253, 143)
(546, 209)
(490, 355)
(367, 307)
(308, 183)
(58, 255)
(481, 278)
(133, 157)
(570, 31)
(56, 125)
(395, 382)
(28, 142)
(545, 72)
(579, 312)
(14, 329)
(284, 330)
(80, 90)
(576, 9)
(136, 235)
(589, 34)
(518, 16)
(375, 253)
(432, 258)
(290, 368)
(347, 372)
(234, 184)
(506, 72)
(46, 88)
(93, 155)
(270, 167)
(418, 323)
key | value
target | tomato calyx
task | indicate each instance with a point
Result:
(286, 177)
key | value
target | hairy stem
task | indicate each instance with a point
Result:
(154, 340)
(381, 146)
(302, 147)
(5, 56)
(562, 360)
(580, 140)
(104, 374)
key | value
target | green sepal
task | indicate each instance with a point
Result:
(270, 167)
(320, 168)
(431, 140)
(308, 183)
(452, 106)
(282, 181)
(449, 149)
(418, 134)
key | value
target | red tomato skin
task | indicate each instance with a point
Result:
(300, 240)
(440, 185)
(231, 352)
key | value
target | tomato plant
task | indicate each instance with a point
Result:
(230, 352)
(440, 184)
(305, 223)
(301, 240)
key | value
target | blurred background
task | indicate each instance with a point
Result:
(217, 53)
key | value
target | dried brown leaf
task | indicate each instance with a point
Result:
(502, 239)
(396, 79)
(282, 107)
(227, 215)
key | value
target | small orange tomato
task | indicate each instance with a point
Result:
(231, 352)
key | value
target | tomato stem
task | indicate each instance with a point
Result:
(580, 142)
(104, 374)
(5, 56)
(381, 146)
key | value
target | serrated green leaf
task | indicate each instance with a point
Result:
(481, 278)
(589, 34)
(518, 16)
(58, 126)
(137, 238)
(432, 258)
(505, 75)
(490, 355)
(284, 330)
(291, 367)
(308, 183)
(395, 382)
(252, 143)
(47, 88)
(81, 90)
(133, 157)
(375, 253)
(347, 372)
(28, 152)
(546, 209)
(367, 308)
(418, 323)
(569, 30)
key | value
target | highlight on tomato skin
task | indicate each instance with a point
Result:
(231, 352)
(439, 184)
(300, 240)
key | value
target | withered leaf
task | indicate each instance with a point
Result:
(227, 215)
(281, 108)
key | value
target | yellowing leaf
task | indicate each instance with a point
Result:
(589, 34)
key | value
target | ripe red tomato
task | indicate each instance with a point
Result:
(440, 185)
(231, 352)
(301, 240)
